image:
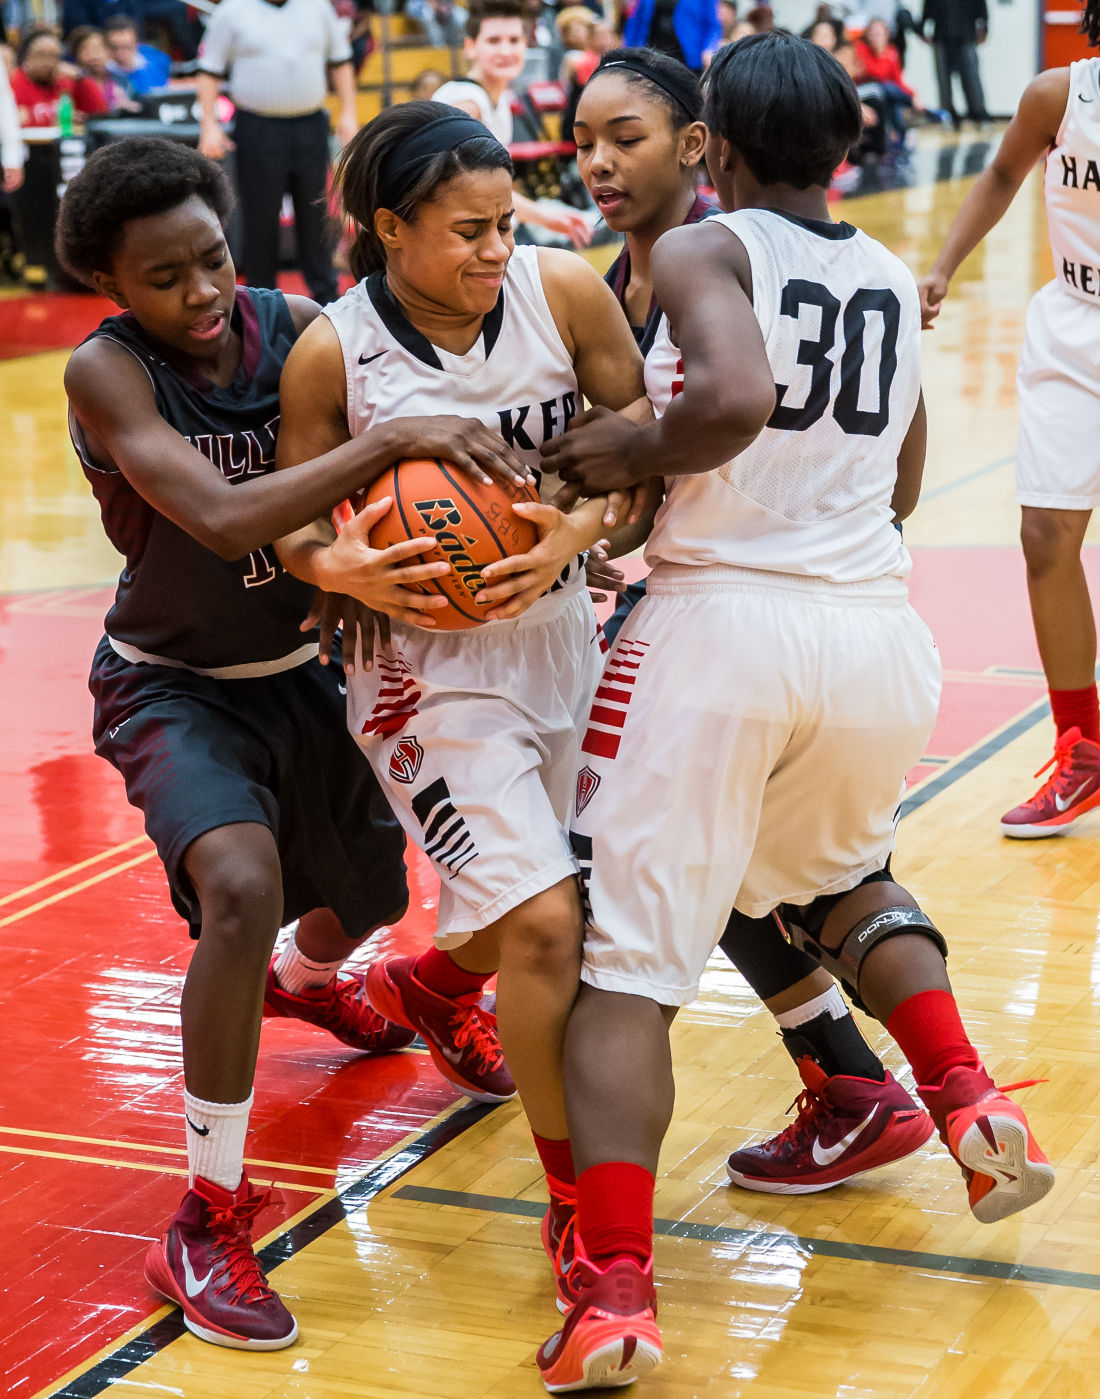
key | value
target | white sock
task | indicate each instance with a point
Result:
(295, 973)
(215, 1140)
(831, 1001)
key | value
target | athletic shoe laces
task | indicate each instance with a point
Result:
(469, 1031)
(810, 1109)
(1061, 760)
(239, 1270)
(349, 1011)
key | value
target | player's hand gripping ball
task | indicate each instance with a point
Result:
(473, 525)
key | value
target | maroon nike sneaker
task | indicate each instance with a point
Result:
(461, 1037)
(610, 1337)
(844, 1126)
(341, 1007)
(559, 1240)
(206, 1265)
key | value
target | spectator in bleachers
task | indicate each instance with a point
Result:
(138, 67)
(873, 141)
(39, 83)
(12, 150)
(425, 85)
(576, 25)
(496, 45)
(686, 30)
(91, 55)
(443, 23)
(879, 65)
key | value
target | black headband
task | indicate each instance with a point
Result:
(403, 166)
(650, 76)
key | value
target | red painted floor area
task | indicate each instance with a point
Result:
(94, 955)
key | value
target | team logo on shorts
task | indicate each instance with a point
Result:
(587, 782)
(405, 760)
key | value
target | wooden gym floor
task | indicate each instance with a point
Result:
(405, 1232)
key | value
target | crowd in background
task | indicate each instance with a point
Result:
(104, 54)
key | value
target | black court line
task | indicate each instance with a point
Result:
(984, 751)
(764, 1241)
(137, 1351)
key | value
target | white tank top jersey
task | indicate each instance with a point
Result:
(1072, 185)
(518, 378)
(840, 318)
(497, 116)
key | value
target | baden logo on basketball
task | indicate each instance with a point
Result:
(405, 760)
(443, 517)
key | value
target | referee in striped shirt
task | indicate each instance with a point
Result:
(276, 56)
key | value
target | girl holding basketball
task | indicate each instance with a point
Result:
(474, 734)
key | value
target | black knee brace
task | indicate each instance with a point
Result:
(803, 926)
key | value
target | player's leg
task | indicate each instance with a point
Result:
(205, 1261)
(893, 959)
(1057, 487)
(844, 1081)
(308, 179)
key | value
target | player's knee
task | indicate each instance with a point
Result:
(1050, 538)
(242, 905)
(543, 937)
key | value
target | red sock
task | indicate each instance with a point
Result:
(1077, 709)
(441, 973)
(556, 1156)
(930, 1034)
(615, 1211)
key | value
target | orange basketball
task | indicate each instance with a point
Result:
(473, 525)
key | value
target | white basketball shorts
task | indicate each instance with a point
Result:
(1058, 386)
(747, 747)
(474, 736)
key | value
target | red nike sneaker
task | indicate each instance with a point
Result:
(206, 1265)
(610, 1336)
(1072, 789)
(988, 1136)
(341, 1007)
(559, 1239)
(461, 1039)
(845, 1126)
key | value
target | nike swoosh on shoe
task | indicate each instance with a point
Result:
(826, 1155)
(191, 1283)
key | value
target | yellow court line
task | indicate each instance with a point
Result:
(71, 869)
(76, 888)
(150, 1146)
(154, 1168)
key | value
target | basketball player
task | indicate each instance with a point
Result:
(1057, 472)
(640, 139)
(473, 734)
(496, 44)
(208, 697)
(763, 704)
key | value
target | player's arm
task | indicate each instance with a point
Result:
(702, 279)
(113, 401)
(911, 464)
(1031, 133)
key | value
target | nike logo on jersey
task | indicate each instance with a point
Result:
(1064, 803)
(826, 1155)
(369, 359)
(1082, 98)
(202, 1131)
(191, 1283)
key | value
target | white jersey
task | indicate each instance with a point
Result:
(497, 115)
(1072, 185)
(517, 378)
(840, 318)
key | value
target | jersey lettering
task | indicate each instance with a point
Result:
(1089, 180)
(817, 354)
(556, 415)
(263, 567)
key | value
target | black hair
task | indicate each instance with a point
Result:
(117, 23)
(664, 78)
(482, 10)
(130, 179)
(1090, 23)
(359, 171)
(786, 106)
(30, 37)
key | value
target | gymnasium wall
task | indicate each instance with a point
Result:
(1009, 58)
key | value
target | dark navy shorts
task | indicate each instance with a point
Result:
(198, 753)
